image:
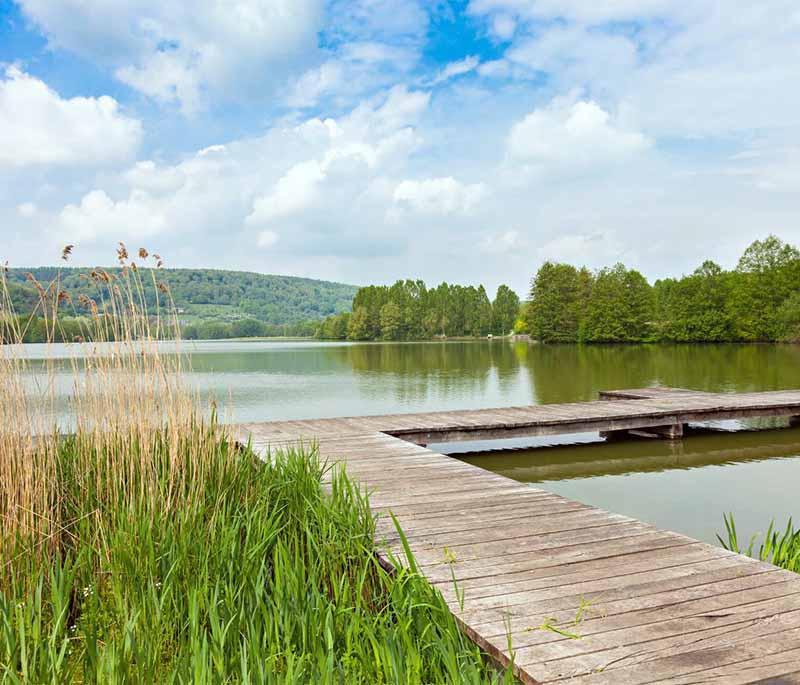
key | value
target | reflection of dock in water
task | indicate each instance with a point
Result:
(663, 607)
(586, 460)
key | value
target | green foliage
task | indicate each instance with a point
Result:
(505, 310)
(408, 310)
(759, 301)
(247, 328)
(620, 307)
(392, 322)
(695, 307)
(235, 294)
(789, 319)
(266, 579)
(767, 274)
(780, 549)
(557, 301)
(358, 327)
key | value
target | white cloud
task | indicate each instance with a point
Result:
(98, 215)
(589, 12)
(494, 68)
(590, 115)
(267, 238)
(503, 26)
(177, 52)
(294, 192)
(27, 210)
(463, 66)
(315, 83)
(580, 249)
(38, 127)
(577, 134)
(442, 196)
(502, 243)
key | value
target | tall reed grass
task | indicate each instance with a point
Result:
(139, 545)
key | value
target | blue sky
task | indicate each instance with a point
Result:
(368, 140)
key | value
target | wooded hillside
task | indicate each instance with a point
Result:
(205, 295)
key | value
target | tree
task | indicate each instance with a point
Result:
(358, 327)
(554, 311)
(767, 274)
(505, 309)
(391, 321)
(620, 307)
(694, 308)
(789, 319)
(247, 328)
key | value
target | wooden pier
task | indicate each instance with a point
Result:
(578, 593)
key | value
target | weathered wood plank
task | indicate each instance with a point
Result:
(662, 607)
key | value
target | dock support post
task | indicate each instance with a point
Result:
(794, 421)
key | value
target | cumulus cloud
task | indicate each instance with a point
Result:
(577, 134)
(315, 83)
(441, 196)
(294, 192)
(97, 215)
(319, 188)
(177, 52)
(39, 127)
(585, 117)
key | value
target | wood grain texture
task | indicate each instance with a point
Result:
(582, 594)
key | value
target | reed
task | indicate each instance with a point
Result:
(130, 415)
(781, 548)
(140, 545)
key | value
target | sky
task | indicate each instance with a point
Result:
(369, 140)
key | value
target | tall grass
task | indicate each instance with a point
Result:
(781, 548)
(132, 417)
(145, 547)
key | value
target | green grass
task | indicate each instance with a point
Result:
(779, 548)
(266, 577)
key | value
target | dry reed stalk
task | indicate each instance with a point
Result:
(138, 432)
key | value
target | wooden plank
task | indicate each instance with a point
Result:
(663, 606)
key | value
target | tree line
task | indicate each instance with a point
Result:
(247, 328)
(409, 310)
(758, 301)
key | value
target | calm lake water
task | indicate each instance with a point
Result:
(685, 486)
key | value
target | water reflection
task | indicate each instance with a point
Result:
(682, 485)
(600, 458)
(265, 380)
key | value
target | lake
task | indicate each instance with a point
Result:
(684, 486)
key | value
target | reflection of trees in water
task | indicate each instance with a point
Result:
(571, 373)
(310, 360)
(445, 368)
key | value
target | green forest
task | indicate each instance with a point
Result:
(209, 303)
(408, 310)
(758, 301)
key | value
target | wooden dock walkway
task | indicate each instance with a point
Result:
(630, 603)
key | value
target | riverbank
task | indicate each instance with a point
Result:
(245, 571)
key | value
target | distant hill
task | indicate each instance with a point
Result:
(202, 295)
